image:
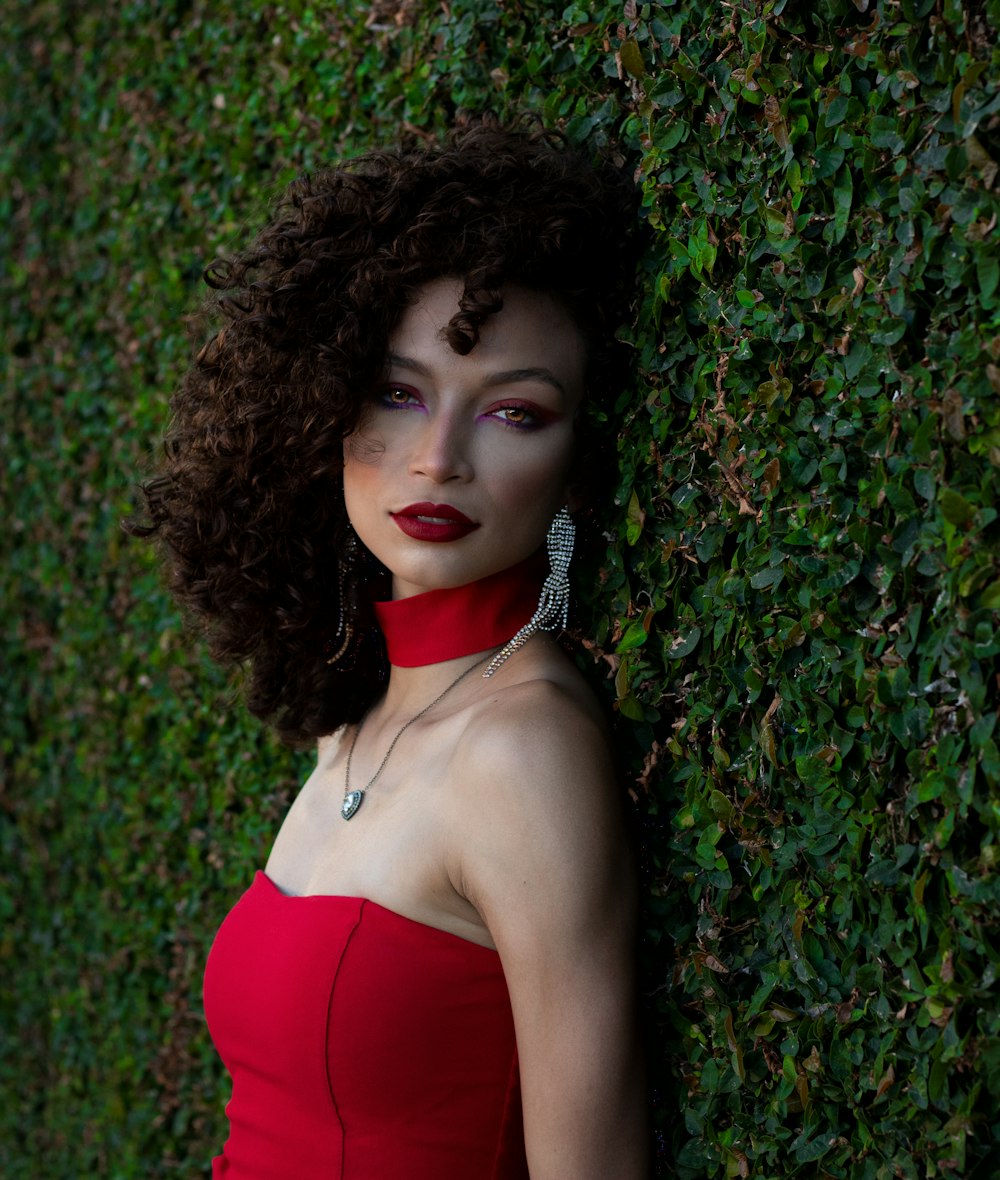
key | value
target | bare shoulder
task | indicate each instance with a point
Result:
(543, 814)
(543, 736)
(328, 745)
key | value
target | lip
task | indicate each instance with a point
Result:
(433, 522)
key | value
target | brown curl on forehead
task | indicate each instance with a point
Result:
(246, 503)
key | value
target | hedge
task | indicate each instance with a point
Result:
(796, 614)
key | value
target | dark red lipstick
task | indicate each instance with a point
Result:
(433, 522)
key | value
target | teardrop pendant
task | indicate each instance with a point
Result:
(352, 801)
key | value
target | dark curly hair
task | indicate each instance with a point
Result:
(247, 502)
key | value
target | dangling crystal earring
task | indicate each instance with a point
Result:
(336, 646)
(552, 612)
(332, 650)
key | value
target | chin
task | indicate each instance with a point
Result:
(410, 578)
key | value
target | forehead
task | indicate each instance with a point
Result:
(532, 331)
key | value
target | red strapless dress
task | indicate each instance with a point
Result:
(362, 1045)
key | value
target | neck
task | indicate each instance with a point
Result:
(445, 626)
(408, 689)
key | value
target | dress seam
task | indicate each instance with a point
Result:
(326, 1040)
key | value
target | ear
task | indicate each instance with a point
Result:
(575, 498)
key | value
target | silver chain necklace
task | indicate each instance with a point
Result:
(354, 799)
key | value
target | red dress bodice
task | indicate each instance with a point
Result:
(362, 1045)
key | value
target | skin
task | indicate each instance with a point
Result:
(490, 433)
(496, 817)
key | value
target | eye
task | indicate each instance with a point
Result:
(398, 397)
(515, 415)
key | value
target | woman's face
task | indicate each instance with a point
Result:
(462, 462)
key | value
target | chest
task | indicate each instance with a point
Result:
(401, 848)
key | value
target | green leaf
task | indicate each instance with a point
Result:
(990, 597)
(721, 807)
(835, 111)
(987, 273)
(774, 219)
(629, 707)
(857, 359)
(632, 61)
(683, 644)
(925, 484)
(767, 577)
(954, 507)
(635, 636)
(843, 196)
(890, 332)
(634, 520)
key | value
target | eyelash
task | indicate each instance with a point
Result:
(385, 397)
(532, 420)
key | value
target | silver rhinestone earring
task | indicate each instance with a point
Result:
(552, 612)
(335, 648)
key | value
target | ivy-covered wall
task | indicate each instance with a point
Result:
(797, 609)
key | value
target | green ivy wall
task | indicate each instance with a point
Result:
(797, 614)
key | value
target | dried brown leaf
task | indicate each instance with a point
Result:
(771, 477)
(776, 121)
(886, 1081)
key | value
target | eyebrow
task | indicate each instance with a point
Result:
(506, 377)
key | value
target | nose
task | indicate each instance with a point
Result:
(441, 449)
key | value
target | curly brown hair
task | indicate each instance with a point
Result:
(248, 501)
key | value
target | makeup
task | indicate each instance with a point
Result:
(433, 522)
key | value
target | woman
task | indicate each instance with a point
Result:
(367, 496)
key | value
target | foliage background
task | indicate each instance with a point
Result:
(803, 570)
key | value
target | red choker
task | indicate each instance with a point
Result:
(445, 624)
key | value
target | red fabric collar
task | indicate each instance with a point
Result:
(445, 624)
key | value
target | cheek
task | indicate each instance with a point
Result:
(361, 472)
(536, 490)
(363, 448)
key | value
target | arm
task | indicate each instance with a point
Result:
(545, 863)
